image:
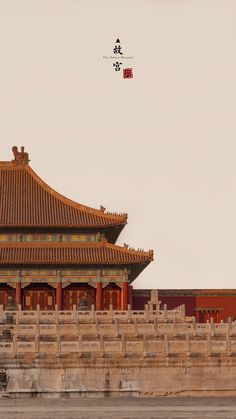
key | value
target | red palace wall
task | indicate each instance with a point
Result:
(203, 304)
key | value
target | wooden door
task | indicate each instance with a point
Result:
(111, 295)
(72, 296)
(206, 316)
(5, 293)
(45, 299)
(3, 298)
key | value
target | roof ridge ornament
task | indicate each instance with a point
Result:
(21, 157)
(151, 253)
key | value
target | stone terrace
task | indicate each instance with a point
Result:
(150, 352)
(148, 333)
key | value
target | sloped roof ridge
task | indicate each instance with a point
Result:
(120, 218)
(69, 201)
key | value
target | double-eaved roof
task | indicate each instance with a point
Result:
(28, 203)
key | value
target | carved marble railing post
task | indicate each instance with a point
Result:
(146, 312)
(150, 306)
(58, 345)
(38, 314)
(123, 345)
(209, 344)
(228, 342)
(212, 326)
(156, 326)
(36, 342)
(175, 326)
(14, 345)
(93, 313)
(165, 312)
(117, 328)
(37, 328)
(17, 323)
(194, 326)
(145, 345)
(57, 319)
(78, 328)
(111, 312)
(166, 345)
(80, 346)
(97, 327)
(136, 328)
(129, 313)
(102, 346)
(1, 313)
(183, 310)
(74, 313)
(229, 326)
(188, 344)
(19, 313)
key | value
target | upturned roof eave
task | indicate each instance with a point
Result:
(98, 217)
(71, 253)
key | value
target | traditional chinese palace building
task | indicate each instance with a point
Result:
(56, 251)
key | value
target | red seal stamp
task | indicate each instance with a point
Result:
(127, 73)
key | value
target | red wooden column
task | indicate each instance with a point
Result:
(18, 293)
(59, 295)
(125, 293)
(99, 296)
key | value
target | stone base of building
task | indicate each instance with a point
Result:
(145, 353)
(73, 376)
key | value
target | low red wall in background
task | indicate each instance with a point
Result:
(203, 304)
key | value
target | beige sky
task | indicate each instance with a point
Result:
(160, 146)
